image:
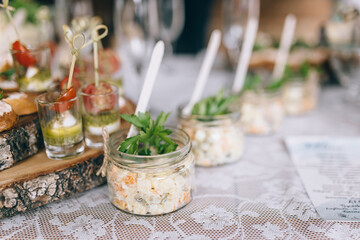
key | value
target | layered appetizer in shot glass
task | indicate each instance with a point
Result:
(30, 51)
(262, 110)
(7, 73)
(151, 173)
(61, 124)
(59, 112)
(300, 93)
(215, 130)
(32, 67)
(99, 108)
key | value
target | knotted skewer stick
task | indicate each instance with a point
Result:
(7, 8)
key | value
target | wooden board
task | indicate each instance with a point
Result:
(25, 139)
(20, 142)
(39, 180)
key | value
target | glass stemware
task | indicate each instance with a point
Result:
(170, 21)
(132, 21)
(343, 36)
(235, 17)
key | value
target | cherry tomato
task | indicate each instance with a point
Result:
(108, 62)
(75, 83)
(63, 103)
(100, 99)
(23, 55)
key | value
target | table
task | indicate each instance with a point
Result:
(260, 197)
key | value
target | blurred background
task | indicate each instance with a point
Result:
(326, 32)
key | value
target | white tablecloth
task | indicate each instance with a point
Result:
(260, 197)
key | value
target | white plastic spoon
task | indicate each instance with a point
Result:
(285, 44)
(155, 61)
(210, 55)
(247, 47)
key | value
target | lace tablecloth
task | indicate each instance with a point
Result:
(260, 197)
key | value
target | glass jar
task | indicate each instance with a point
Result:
(300, 95)
(261, 112)
(150, 185)
(216, 140)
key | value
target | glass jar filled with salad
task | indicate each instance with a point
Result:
(262, 110)
(215, 130)
(151, 173)
(300, 93)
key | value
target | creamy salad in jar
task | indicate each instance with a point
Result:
(261, 105)
(261, 112)
(217, 140)
(300, 94)
(215, 131)
(154, 181)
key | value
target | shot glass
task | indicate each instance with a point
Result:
(7, 81)
(61, 126)
(99, 110)
(33, 69)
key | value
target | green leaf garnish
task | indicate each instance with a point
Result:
(8, 73)
(257, 47)
(152, 138)
(275, 85)
(305, 70)
(1, 94)
(214, 105)
(30, 7)
(252, 81)
(299, 43)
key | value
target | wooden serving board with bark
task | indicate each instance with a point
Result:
(20, 142)
(39, 180)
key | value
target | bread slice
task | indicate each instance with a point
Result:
(22, 103)
(8, 117)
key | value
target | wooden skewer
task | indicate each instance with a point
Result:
(7, 8)
(95, 38)
(77, 43)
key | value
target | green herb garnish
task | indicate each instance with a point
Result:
(299, 43)
(252, 81)
(7, 73)
(275, 85)
(1, 94)
(152, 138)
(257, 47)
(303, 72)
(30, 7)
(214, 105)
(305, 69)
